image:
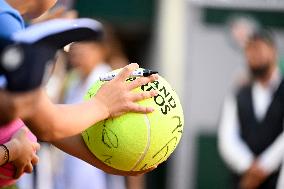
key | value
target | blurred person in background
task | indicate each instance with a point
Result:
(89, 60)
(56, 12)
(41, 122)
(42, 176)
(251, 139)
(116, 58)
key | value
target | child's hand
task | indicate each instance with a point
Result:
(116, 96)
(23, 152)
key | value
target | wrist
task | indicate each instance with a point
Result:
(263, 166)
(13, 147)
(100, 107)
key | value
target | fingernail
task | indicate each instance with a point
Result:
(155, 76)
(134, 64)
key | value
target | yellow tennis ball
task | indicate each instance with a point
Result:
(136, 142)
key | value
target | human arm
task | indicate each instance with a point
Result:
(52, 122)
(15, 105)
(137, 182)
(271, 159)
(265, 164)
(232, 148)
(75, 146)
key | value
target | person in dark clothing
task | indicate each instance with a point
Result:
(251, 139)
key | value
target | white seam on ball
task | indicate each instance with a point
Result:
(148, 143)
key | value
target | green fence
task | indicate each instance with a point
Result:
(211, 173)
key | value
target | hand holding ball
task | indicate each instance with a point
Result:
(134, 141)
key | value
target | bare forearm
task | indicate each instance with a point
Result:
(137, 182)
(15, 105)
(5, 104)
(75, 146)
(52, 122)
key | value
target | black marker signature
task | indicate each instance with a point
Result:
(109, 138)
(164, 151)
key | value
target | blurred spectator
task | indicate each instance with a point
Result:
(42, 176)
(58, 12)
(39, 114)
(251, 139)
(240, 28)
(116, 59)
(87, 59)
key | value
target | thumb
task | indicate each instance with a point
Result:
(36, 146)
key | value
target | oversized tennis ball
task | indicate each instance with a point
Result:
(136, 142)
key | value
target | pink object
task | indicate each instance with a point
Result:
(6, 132)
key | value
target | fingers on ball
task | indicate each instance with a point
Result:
(139, 82)
(144, 95)
(143, 81)
(127, 71)
(154, 77)
(141, 109)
